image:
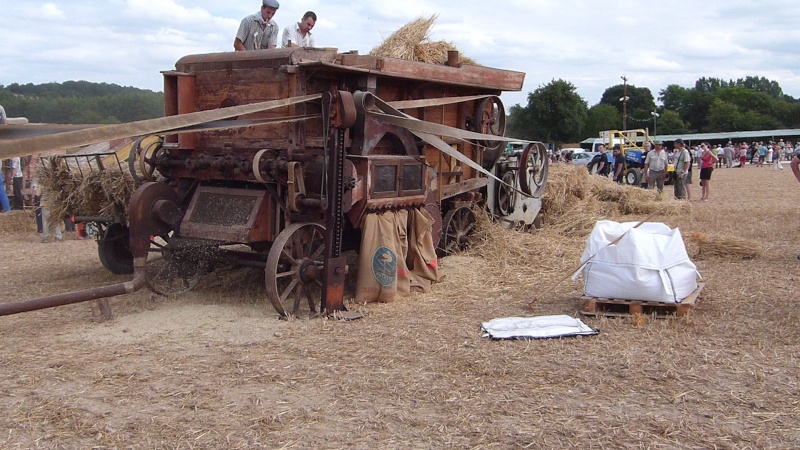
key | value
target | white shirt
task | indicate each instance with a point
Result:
(292, 33)
(656, 160)
(16, 167)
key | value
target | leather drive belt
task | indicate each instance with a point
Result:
(175, 124)
(367, 103)
(408, 104)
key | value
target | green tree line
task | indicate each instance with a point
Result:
(79, 102)
(556, 113)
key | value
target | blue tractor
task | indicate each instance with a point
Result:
(633, 149)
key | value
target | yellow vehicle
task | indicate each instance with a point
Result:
(631, 143)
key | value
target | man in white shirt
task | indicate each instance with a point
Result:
(299, 34)
(17, 181)
(655, 167)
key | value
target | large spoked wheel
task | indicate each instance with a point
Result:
(533, 168)
(491, 120)
(506, 194)
(295, 267)
(458, 225)
(171, 270)
(142, 159)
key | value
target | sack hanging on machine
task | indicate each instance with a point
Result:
(396, 255)
(381, 257)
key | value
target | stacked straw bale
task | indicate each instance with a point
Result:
(572, 203)
(412, 42)
(17, 221)
(574, 200)
(723, 246)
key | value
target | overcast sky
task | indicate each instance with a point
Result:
(588, 43)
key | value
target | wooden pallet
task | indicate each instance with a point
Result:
(612, 307)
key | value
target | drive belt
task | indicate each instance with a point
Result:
(76, 138)
(369, 104)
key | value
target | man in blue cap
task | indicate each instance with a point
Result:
(258, 31)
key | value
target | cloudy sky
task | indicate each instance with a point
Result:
(588, 43)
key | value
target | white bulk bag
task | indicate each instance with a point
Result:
(649, 263)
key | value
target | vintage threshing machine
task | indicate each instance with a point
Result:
(273, 158)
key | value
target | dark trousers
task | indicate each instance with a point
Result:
(37, 203)
(18, 203)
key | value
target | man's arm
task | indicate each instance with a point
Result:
(795, 164)
(238, 45)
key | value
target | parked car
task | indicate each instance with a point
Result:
(583, 158)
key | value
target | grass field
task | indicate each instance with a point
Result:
(214, 368)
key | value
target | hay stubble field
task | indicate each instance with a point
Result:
(214, 368)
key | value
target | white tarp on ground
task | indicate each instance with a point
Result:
(649, 263)
(536, 327)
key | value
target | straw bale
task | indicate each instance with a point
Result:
(17, 221)
(574, 200)
(723, 246)
(412, 42)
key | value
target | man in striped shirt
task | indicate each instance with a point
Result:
(258, 31)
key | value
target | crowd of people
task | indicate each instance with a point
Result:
(705, 156)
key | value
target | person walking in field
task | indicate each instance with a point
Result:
(742, 154)
(682, 161)
(707, 161)
(777, 151)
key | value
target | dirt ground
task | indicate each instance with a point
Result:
(214, 368)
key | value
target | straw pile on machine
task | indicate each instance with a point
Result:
(67, 190)
(412, 42)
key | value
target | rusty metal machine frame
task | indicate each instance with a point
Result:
(285, 151)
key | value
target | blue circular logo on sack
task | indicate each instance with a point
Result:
(384, 266)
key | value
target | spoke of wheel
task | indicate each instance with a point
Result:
(317, 252)
(469, 228)
(297, 297)
(287, 252)
(284, 274)
(309, 299)
(288, 290)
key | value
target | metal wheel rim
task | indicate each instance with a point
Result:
(296, 253)
(533, 169)
(506, 195)
(459, 224)
(491, 117)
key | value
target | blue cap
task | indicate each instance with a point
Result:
(271, 4)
